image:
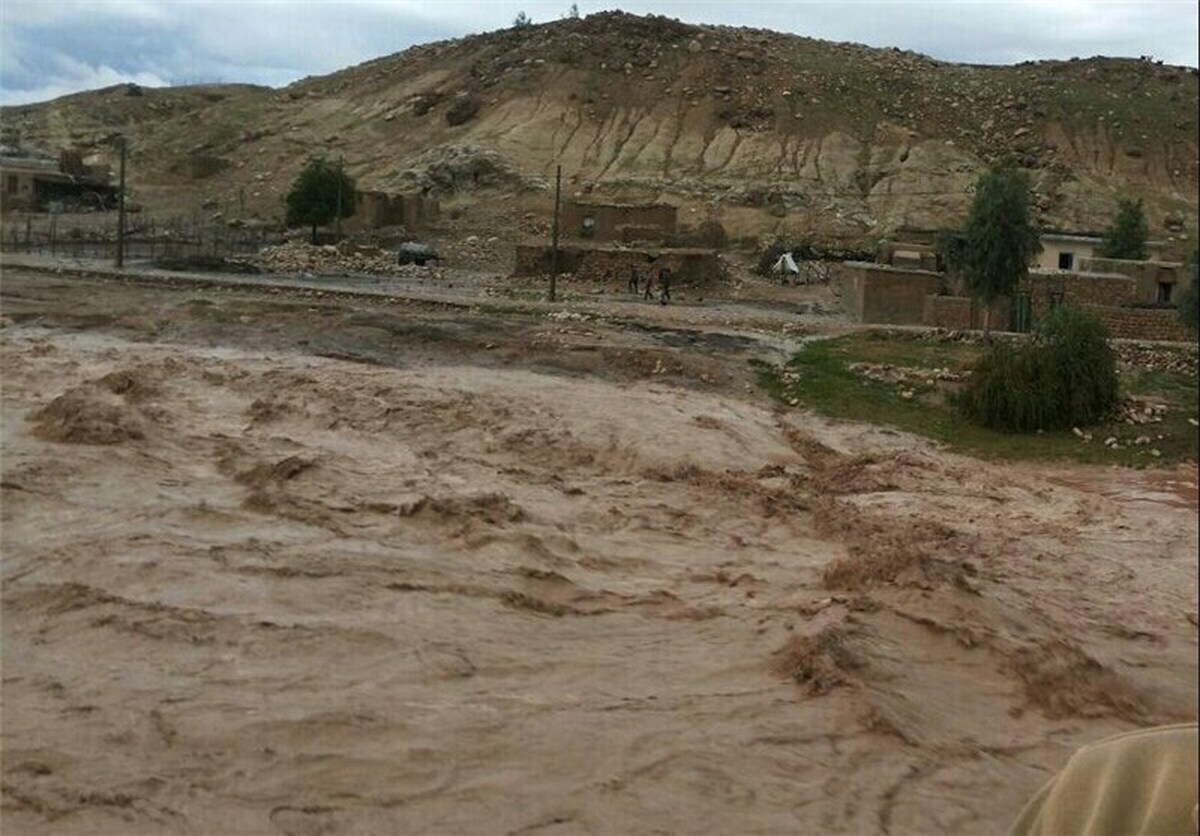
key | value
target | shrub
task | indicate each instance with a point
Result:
(1065, 376)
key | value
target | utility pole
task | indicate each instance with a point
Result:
(338, 217)
(121, 211)
(554, 234)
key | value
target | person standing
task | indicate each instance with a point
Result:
(664, 282)
(633, 280)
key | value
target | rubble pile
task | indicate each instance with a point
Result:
(908, 375)
(569, 316)
(299, 257)
(476, 251)
(449, 169)
(908, 379)
(1157, 358)
(1137, 411)
(1136, 355)
(945, 335)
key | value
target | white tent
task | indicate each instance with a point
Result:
(786, 265)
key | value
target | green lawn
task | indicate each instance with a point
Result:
(817, 377)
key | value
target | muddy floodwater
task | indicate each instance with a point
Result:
(289, 565)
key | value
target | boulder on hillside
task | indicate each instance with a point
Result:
(463, 110)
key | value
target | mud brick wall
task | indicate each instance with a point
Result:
(373, 210)
(1143, 323)
(1147, 274)
(200, 166)
(419, 209)
(953, 312)
(873, 293)
(631, 233)
(962, 313)
(611, 219)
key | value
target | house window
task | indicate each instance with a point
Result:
(1164, 292)
(1066, 261)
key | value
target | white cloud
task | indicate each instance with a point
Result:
(275, 42)
(42, 12)
(80, 77)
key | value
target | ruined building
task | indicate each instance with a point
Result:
(31, 182)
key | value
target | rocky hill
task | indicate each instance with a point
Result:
(771, 133)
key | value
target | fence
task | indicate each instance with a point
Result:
(145, 238)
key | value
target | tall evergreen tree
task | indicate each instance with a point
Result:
(1189, 300)
(951, 248)
(999, 238)
(322, 191)
(1126, 238)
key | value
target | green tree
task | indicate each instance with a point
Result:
(522, 20)
(999, 239)
(322, 191)
(1126, 238)
(1189, 300)
(951, 248)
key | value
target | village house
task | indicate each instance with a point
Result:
(1134, 298)
(42, 184)
(1064, 250)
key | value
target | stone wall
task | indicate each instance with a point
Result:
(877, 293)
(1076, 288)
(1143, 323)
(602, 264)
(1147, 274)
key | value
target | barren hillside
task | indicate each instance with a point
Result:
(772, 133)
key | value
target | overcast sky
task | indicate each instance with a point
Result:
(52, 47)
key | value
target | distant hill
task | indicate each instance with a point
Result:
(771, 133)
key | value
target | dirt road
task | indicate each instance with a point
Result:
(280, 564)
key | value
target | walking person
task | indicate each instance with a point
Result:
(633, 280)
(664, 282)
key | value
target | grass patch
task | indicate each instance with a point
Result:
(818, 377)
